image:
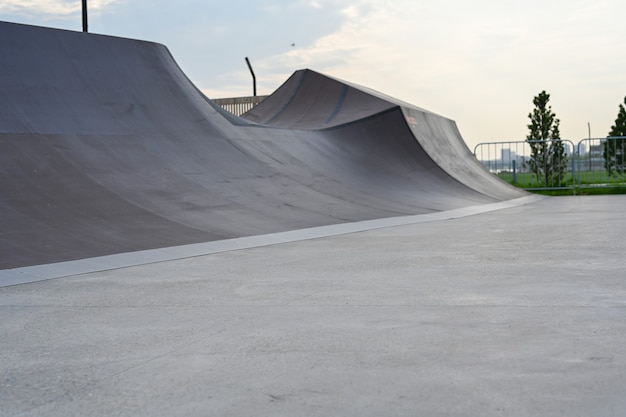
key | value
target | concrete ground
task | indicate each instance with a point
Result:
(515, 312)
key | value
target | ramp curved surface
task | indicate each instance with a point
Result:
(106, 147)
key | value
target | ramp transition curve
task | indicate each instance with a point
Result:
(106, 147)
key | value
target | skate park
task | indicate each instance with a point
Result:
(333, 251)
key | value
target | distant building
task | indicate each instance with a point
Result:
(594, 160)
(596, 150)
(507, 156)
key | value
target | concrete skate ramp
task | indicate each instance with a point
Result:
(106, 147)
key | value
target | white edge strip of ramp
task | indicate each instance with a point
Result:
(24, 275)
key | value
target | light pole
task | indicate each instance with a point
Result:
(85, 16)
(253, 77)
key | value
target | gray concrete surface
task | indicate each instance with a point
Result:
(42, 272)
(515, 312)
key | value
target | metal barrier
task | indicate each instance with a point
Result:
(239, 105)
(532, 165)
(557, 164)
(601, 162)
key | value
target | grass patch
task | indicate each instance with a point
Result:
(584, 183)
(581, 191)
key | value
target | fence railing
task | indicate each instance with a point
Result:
(239, 105)
(601, 162)
(557, 164)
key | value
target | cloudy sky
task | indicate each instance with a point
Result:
(477, 62)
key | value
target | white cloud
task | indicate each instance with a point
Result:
(479, 63)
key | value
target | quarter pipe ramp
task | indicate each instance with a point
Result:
(106, 147)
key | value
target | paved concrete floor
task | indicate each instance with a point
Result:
(516, 312)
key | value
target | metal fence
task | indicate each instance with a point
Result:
(601, 162)
(557, 164)
(239, 105)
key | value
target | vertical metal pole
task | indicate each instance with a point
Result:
(514, 172)
(589, 136)
(253, 77)
(579, 164)
(575, 151)
(85, 16)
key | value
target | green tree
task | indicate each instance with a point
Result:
(547, 159)
(614, 150)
